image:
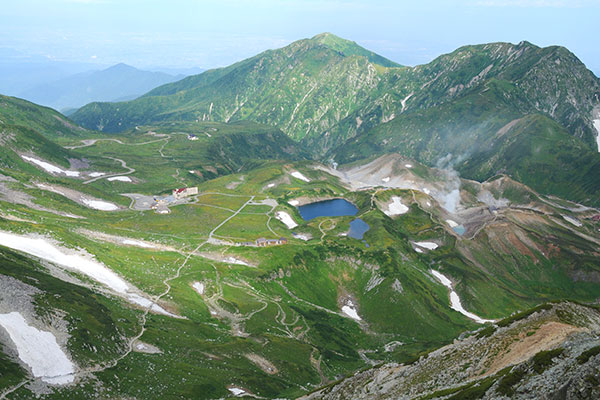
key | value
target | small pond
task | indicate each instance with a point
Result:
(327, 208)
(358, 227)
(460, 229)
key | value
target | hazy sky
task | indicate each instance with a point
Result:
(207, 33)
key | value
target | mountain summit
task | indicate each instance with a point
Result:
(349, 48)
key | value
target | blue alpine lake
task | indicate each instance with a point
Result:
(336, 208)
(358, 227)
(460, 229)
(327, 208)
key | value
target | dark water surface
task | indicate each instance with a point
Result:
(327, 208)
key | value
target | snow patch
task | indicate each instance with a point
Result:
(286, 219)
(299, 175)
(236, 391)
(597, 126)
(120, 179)
(386, 179)
(455, 300)
(97, 174)
(293, 203)
(427, 245)
(426, 191)
(572, 221)
(451, 223)
(408, 165)
(149, 304)
(138, 243)
(199, 287)
(350, 311)
(99, 205)
(302, 236)
(53, 169)
(403, 101)
(84, 264)
(396, 207)
(39, 350)
(233, 260)
(270, 185)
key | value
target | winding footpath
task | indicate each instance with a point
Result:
(123, 164)
(143, 320)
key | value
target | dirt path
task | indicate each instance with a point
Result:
(323, 231)
(13, 389)
(236, 319)
(327, 310)
(316, 363)
(91, 142)
(143, 318)
(230, 217)
(123, 164)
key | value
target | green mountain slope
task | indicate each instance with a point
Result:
(52, 124)
(327, 89)
(26, 128)
(484, 133)
(301, 88)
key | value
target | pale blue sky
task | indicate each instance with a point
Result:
(199, 33)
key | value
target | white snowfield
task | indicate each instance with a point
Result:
(199, 287)
(99, 205)
(236, 391)
(97, 174)
(299, 175)
(396, 207)
(455, 300)
(138, 243)
(286, 219)
(303, 236)
(451, 223)
(119, 178)
(572, 221)
(82, 263)
(53, 169)
(427, 245)
(408, 165)
(597, 126)
(39, 350)
(350, 311)
(293, 203)
(233, 260)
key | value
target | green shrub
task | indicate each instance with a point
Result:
(507, 383)
(543, 359)
(586, 355)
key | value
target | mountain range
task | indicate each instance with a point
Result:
(479, 109)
